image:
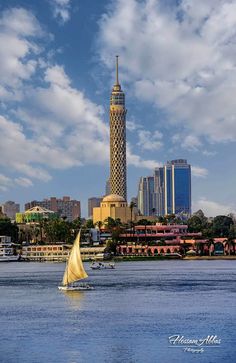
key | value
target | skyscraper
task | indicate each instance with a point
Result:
(10, 209)
(108, 187)
(173, 188)
(146, 204)
(159, 191)
(118, 139)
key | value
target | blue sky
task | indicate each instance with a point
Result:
(177, 68)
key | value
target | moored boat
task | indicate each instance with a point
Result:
(7, 251)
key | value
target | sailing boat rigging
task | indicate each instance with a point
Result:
(74, 270)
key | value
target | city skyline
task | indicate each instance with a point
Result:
(57, 71)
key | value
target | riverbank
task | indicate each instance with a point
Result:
(131, 258)
(144, 258)
(210, 257)
(160, 257)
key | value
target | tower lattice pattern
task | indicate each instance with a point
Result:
(118, 140)
(118, 151)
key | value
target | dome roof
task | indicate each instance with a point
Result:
(113, 198)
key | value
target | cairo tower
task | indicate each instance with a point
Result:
(118, 139)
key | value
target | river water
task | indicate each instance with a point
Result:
(128, 317)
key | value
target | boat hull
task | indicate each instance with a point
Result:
(76, 288)
(101, 266)
(9, 258)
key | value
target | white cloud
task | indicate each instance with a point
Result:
(212, 209)
(56, 75)
(209, 153)
(66, 129)
(188, 142)
(180, 58)
(199, 172)
(17, 50)
(138, 162)
(61, 10)
(132, 125)
(24, 182)
(18, 152)
(5, 182)
(52, 125)
(150, 140)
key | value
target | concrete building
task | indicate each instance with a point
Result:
(10, 209)
(118, 140)
(64, 207)
(146, 203)
(114, 206)
(93, 202)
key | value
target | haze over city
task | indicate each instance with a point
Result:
(57, 68)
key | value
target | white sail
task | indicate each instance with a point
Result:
(74, 269)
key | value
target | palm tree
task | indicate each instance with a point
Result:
(132, 206)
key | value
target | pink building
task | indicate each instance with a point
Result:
(170, 233)
(139, 250)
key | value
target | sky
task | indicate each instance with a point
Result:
(57, 67)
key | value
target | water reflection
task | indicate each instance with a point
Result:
(75, 298)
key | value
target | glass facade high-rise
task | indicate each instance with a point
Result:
(146, 204)
(173, 188)
(159, 191)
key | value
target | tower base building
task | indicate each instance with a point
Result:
(113, 206)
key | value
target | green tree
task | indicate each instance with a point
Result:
(144, 222)
(221, 226)
(76, 225)
(59, 230)
(89, 223)
(8, 229)
(195, 224)
(111, 247)
(99, 224)
(110, 223)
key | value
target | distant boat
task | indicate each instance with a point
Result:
(173, 255)
(7, 252)
(102, 265)
(74, 270)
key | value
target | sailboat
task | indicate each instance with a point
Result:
(74, 270)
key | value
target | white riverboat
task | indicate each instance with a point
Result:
(102, 265)
(7, 251)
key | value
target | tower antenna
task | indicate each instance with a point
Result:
(117, 79)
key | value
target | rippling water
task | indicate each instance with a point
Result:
(127, 318)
